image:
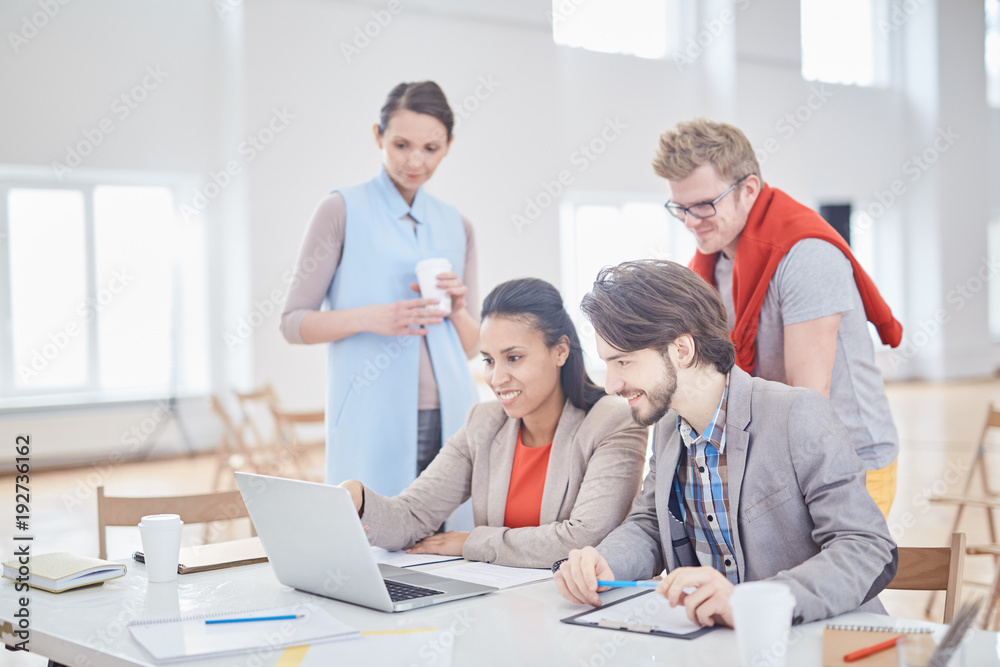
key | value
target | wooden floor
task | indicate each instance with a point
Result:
(938, 425)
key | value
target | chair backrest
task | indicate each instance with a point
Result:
(201, 508)
(257, 419)
(933, 569)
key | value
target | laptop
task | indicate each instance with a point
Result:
(316, 543)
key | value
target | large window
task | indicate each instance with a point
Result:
(105, 296)
(644, 28)
(845, 42)
(605, 230)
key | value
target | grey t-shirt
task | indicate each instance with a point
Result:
(814, 279)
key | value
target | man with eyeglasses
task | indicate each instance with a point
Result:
(797, 301)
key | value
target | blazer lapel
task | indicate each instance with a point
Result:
(737, 443)
(671, 527)
(501, 463)
(560, 461)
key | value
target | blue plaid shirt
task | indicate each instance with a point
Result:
(701, 484)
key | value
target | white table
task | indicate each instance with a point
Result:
(517, 626)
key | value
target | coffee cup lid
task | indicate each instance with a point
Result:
(433, 261)
(161, 521)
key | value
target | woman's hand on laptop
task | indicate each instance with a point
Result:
(445, 544)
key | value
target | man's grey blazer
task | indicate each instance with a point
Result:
(594, 471)
(798, 506)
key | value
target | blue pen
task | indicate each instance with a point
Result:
(247, 620)
(687, 590)
(628, 584)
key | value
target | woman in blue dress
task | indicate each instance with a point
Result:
(398, 381)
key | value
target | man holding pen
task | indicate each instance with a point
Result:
(749, 479)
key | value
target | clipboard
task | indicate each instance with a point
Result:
(644, 615)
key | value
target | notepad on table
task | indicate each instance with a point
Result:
(219, 555)
(58, 572)
(173, 639)
(839, 640)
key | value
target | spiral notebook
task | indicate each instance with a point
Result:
(175, 639)
(839, 640)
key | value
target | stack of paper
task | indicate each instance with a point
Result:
(172, 639)
(498, 576)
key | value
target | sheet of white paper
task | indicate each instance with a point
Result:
(428, 649)
(495, 575)
(645, 609)
(403, 559)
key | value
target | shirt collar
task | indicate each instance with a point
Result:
(716, 429)
(395, 202)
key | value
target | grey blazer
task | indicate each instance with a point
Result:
(798, 505)
(595, 468)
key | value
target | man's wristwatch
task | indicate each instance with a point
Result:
(555, 565)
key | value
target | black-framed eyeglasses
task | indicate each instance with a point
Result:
(701, 210)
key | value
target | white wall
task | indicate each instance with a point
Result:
(230, 70)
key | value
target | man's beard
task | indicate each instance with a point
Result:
(659, 397)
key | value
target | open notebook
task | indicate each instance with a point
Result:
(173, 639)
(839, 640)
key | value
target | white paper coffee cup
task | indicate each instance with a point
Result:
(762, 616)
(161, 545)
(427, 273)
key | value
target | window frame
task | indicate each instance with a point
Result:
(14, 398)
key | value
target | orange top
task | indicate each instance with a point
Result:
(527, 482)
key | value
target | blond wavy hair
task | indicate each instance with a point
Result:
(696, 142)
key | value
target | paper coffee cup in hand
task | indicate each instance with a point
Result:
(161, 545)
(762, 618)
(427, 273)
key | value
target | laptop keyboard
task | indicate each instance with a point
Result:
(399, 592)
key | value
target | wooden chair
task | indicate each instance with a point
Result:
(933, 569)
(233, 453)
(987, 499)
(256, 416)
(201, 508)
(288, 424)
